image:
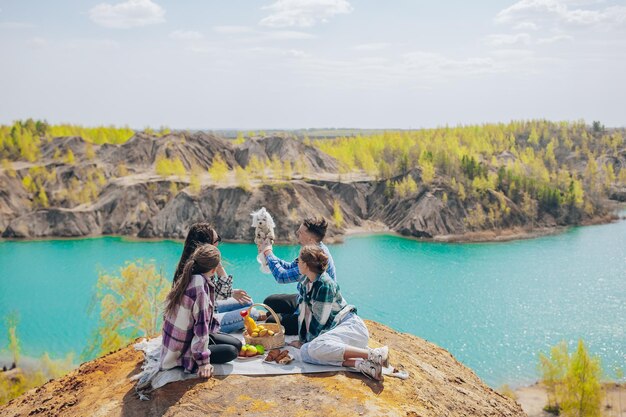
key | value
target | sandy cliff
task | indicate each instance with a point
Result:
(438, 386)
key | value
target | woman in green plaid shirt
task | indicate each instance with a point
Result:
(330, 331)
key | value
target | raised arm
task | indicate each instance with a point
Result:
(284, 272)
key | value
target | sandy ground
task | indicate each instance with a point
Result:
(534, 398)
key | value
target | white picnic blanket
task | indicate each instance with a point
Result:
(151, 378)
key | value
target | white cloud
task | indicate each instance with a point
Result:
(131, 13)
(502, 39)
(232, 30)
(286, 35)
(278, 52)
(303, 13)
(526, 26)
(554, 39)
(375, 46)
(553, 12)
(186, 35)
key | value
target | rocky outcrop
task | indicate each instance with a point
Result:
(286, 149)
(14, 200)
(87, 198)
(54, 222)
(192, 149)
(438, 386)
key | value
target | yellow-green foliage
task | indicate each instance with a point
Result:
(583, 392)
(406, 186)
(256, 168)
(240, 139)
(90, 153)
(218, 169)
(36, 182)
(69, 157)
(622, 176)
(276, 167)
(85, 190)
(20, 381)
(572, 381)
(166, 167)
(8, 168)
(11, 321)
(97, 135)
(195, 184)
(337, 214)
(173, 190)
(507, 391)
(242, 178)
(130, 303)
(471, 155)
(287, 171)
(476, 218)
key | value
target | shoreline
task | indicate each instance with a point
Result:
(534, 397)
(374, 228)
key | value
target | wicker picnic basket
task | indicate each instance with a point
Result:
(268, 342)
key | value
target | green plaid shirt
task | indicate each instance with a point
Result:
(321, 308)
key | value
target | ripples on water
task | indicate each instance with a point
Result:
(494, 306)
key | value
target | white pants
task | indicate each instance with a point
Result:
(328, 348)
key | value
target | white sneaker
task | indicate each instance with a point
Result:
(371, 370)
(379, 356)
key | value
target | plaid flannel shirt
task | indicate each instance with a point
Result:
(288, 272)
(186, 331)
(322, 308)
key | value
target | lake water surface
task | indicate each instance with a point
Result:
(493, 306)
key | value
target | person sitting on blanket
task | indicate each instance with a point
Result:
(190, 330)
(329, 330)
(229, 302)
(311, 232)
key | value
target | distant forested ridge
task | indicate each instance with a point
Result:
(67, 180)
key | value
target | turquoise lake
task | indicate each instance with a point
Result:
(493, 306)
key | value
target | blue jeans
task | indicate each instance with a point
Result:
(228, 314)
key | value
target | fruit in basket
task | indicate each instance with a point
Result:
(255, 334)
(270, 333)
(263, 332)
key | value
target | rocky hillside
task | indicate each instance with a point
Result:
(77, 188)
(438, 386)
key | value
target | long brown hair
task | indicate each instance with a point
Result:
(204, 259)
(314, 258)
(199, 234)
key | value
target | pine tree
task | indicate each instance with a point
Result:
(337, 214)
(130, 303)
(218, 169)
(242, 178)
(583, 392)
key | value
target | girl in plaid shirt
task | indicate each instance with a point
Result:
(330, 332)
(190, 329)
(229, 302)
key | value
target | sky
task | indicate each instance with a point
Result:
(287, 64)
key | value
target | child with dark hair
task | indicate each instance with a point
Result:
(229, 302)
(190, 330)
(311, 232)
(329, 330)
